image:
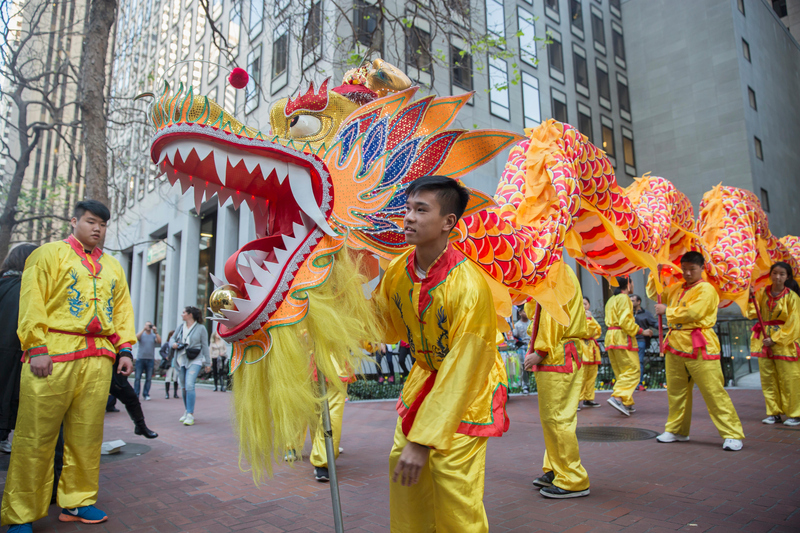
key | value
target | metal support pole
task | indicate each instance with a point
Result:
(338, 522)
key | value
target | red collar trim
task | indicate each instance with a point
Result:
(686, 287)
(783, 293)
(436, 274)
(91, 261)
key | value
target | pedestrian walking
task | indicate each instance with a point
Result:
(190, 349)
(168, 366)
(146, 357)
(219, 361)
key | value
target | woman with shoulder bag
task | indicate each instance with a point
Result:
(170, 372)
(190, 351)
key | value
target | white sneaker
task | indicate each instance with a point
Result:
(732, 445)
(672, 437)
(181, 419)
(341, 451)
(147, 398)
(772, 419)
(792, 422)
(617, 404)
(5, 446)
(189, 421)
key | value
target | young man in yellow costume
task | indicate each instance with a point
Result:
(555, 357)
(590, 357)
(778, 348)
(454, 398)
(693, 354)
(622, 348)
(75, 319)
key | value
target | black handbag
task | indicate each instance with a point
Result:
(192, 353)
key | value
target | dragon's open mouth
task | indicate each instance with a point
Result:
(288, 191)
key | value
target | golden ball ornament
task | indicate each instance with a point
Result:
(222, 298)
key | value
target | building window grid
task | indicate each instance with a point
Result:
(581, 70)
(585, 122)
(256, 18)
(618, 44)
(607, 133)
(418, 51)
(558, 105)
(576, 14)
(740, 5)
(461, 70)
(312, 35)
(496, 18)
(251, 99)
(368, 24)
(764, 200)
(628, 154)
(555, 56)
(598, 31)
(280, 54)
(527, 39)
(531, 107)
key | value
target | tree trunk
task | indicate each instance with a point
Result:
(8, 218)
(91, 91)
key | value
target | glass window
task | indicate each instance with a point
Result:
(614, 4)
(608, 140)
(619, 45)
(555, 55)
(256, 18)
(230, 98)
(746, 50)
(603, 84)
(280, 55)
(213, 58)
(461, 63)
(740, 5)
(312, 35)
(624, 98)
(418, 48)
(559, 105)
(216, 9)
(576, 13)
(184, 75)
(527, 38)
(552, 4)
(368, 24)
(164, 22)
(751, 96)
(176, 11)
(186, 38)
(581, 70)
(254, 70)
(530, 101)
(627, 149)
(197, 68)
(205, 266)
(200, 25)
(585, 125)
(598, 32)
(495, 18)
(234, 27)
(759, 148)
(779, 6)
(765, 200)
(498, 88)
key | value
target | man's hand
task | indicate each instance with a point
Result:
(531, 358)
(647, 332)
(125, 366)
(589, 314)
(412, 460)
(42, 366)
(769, 343)
(661, 309)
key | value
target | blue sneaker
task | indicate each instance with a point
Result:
(20, 528)
(88, 515)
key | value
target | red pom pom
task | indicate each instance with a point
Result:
(239, 78)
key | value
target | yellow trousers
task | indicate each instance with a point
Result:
(589, 373)
(448, 498)
(682, 374)
(780, 383)
(625, 364)
(319, 456)
(76, 395)
(559, 393)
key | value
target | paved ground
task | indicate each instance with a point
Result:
(190, 480)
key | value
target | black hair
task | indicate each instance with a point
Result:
(790, 281)
(638, 298)
(195, 312)
(622, 281)
(588, 300)
(15, 260)
(452, 197)
(693, 258)
(94, 207)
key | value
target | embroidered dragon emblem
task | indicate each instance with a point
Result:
(77, 303)
(110, 302)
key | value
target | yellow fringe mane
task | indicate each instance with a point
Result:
(277, 398)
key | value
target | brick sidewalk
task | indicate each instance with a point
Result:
(190, 480)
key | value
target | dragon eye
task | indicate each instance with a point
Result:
(304, 126)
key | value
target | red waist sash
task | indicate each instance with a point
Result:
(759, 332)
(408, 420)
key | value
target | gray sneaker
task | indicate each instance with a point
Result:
(617, 404)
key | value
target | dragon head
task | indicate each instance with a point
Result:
(331, 172)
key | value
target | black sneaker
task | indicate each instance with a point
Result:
(590, 403)
(631, 409)
(545, 480)
(555, 492)
(321, 474)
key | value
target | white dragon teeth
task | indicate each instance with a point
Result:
(264, 278)
(199, 192)
(245, 307)
(169, 152)
(244, 268)
(221, 164)
(281, 169)
(256, 293)
(300, 184)
(217, 282)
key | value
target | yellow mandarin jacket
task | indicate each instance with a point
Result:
(74, 305)
(591, 350)
(449, 321)
(560, 346)
(781, 315)
(621, 326)
(691, 315)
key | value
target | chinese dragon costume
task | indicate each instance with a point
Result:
(326, 188)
